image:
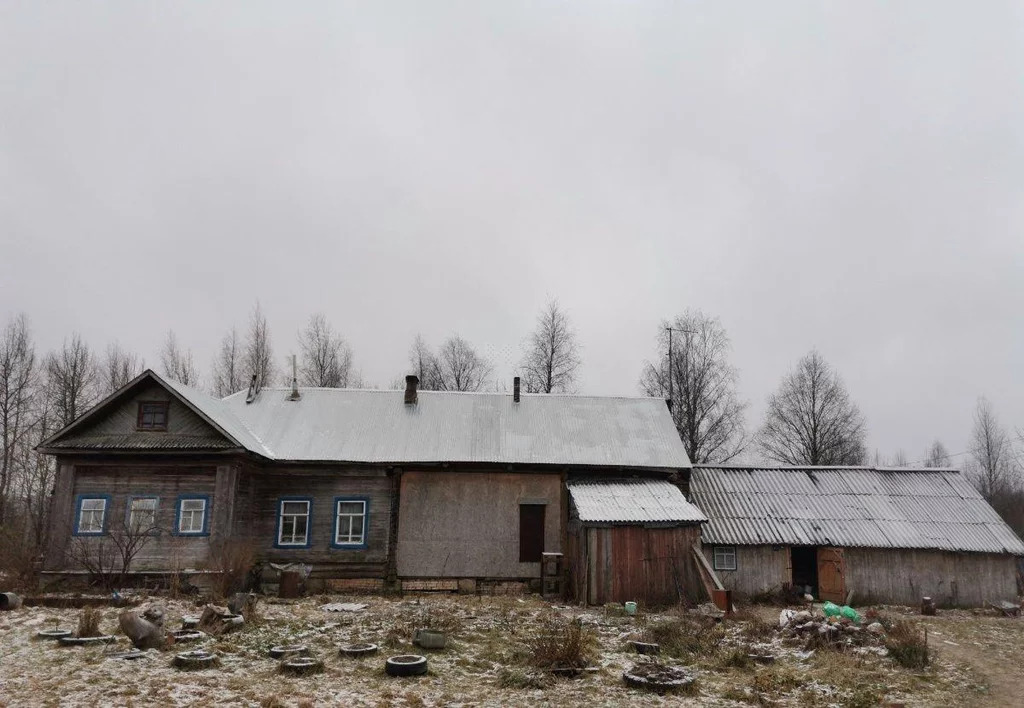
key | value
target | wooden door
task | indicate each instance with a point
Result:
(831, 575)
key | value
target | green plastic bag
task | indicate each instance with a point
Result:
(830, 609)
(849, 613)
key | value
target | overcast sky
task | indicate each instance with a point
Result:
(846, 176)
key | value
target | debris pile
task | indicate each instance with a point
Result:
(819, 629)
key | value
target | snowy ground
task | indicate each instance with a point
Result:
(487, 663)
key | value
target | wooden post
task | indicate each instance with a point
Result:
(61, 517)
(224, 490)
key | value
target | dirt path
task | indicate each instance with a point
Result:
(993, 647)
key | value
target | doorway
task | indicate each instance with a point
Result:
(804, 563)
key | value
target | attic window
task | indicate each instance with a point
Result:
(153, 415)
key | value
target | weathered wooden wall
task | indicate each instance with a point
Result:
(649, 565)
(758, 569)
(163, 550)
(466, 524)
(256, 511)
(905, 576)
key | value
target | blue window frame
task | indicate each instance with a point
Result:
(91, 514)
(351, 522)
(141, 514)
(192, 515)
(294, 521)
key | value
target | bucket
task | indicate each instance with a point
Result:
(630, 608)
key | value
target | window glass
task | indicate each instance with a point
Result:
(294, 524)
(725, 557)
(350, 526)
(192, 516)
(153, 415)
(90, 515)
(142, 516)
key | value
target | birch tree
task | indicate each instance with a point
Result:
(706, 409)
(178, 364)
(72, 380)
(258, 357)
(551, 361)
(456, 366)
(811, 419)
(118, 368)
(228, 375)
(937, 455)
(992, 466)
(18, 381)
(326, 359)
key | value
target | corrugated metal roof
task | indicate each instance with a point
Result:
(631, 501)
(377, 426)
(855, 506)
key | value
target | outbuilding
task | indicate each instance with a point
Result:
(873, 535)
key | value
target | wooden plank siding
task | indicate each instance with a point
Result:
(260, 490)
(758, 569)
(164, 550)
(649, 565)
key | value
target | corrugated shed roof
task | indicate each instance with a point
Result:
(856, 506)
(632, 501)
(377, 426)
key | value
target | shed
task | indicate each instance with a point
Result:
(632, 539)
(883, 534)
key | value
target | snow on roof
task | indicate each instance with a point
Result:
(631, 501)
(853, 506)
(377, 426)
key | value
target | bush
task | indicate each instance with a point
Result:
(907, 646)
(232, 558)
(685, 636)
(89, 622)
(565, 644)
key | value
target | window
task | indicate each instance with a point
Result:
(142, 514)
(293, 522)
(191, 516)
(725, 557)
(152, 415)
(350, 523)
(92, 513)
(531, 533)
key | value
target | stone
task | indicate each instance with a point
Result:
(876, 628)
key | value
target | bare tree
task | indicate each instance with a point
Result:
(73, 380)
(551, 361)
(705, 406)
(18, 380)
(326, 357)
(811, 419)
(937, 455)
(228, 376)
(178, 365)
(118, 368)
(899, 459)
(991, 467)
(258, 358)
(455, 367)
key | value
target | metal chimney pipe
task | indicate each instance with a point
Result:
(515, 389)
(411, 382)
(295, 383)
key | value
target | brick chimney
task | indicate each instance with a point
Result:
(515, 389)
(411, 382)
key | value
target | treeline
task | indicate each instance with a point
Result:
(810, 419)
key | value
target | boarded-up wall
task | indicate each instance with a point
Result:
(905, 576)
(464, 524)
(653, 566)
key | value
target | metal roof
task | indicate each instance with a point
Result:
(143, 441)
(848, 506)
(377, 426)
(631, 501)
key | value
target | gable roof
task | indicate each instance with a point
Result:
(377, 426)
(848, 506)
(347, 425)
(631, 501)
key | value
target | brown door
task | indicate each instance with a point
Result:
(531, 532)
(831, 575)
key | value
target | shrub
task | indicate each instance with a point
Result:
(232, 558)
(686, 635)
(563, 644)
(89, 622)
(907, 646)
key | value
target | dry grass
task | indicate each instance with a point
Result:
(233, 558)
(685, 636)
(562, 644)
(907, 645)
(89, 622)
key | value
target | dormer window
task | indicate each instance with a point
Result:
(153, 415)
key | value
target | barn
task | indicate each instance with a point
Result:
(876, 535)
